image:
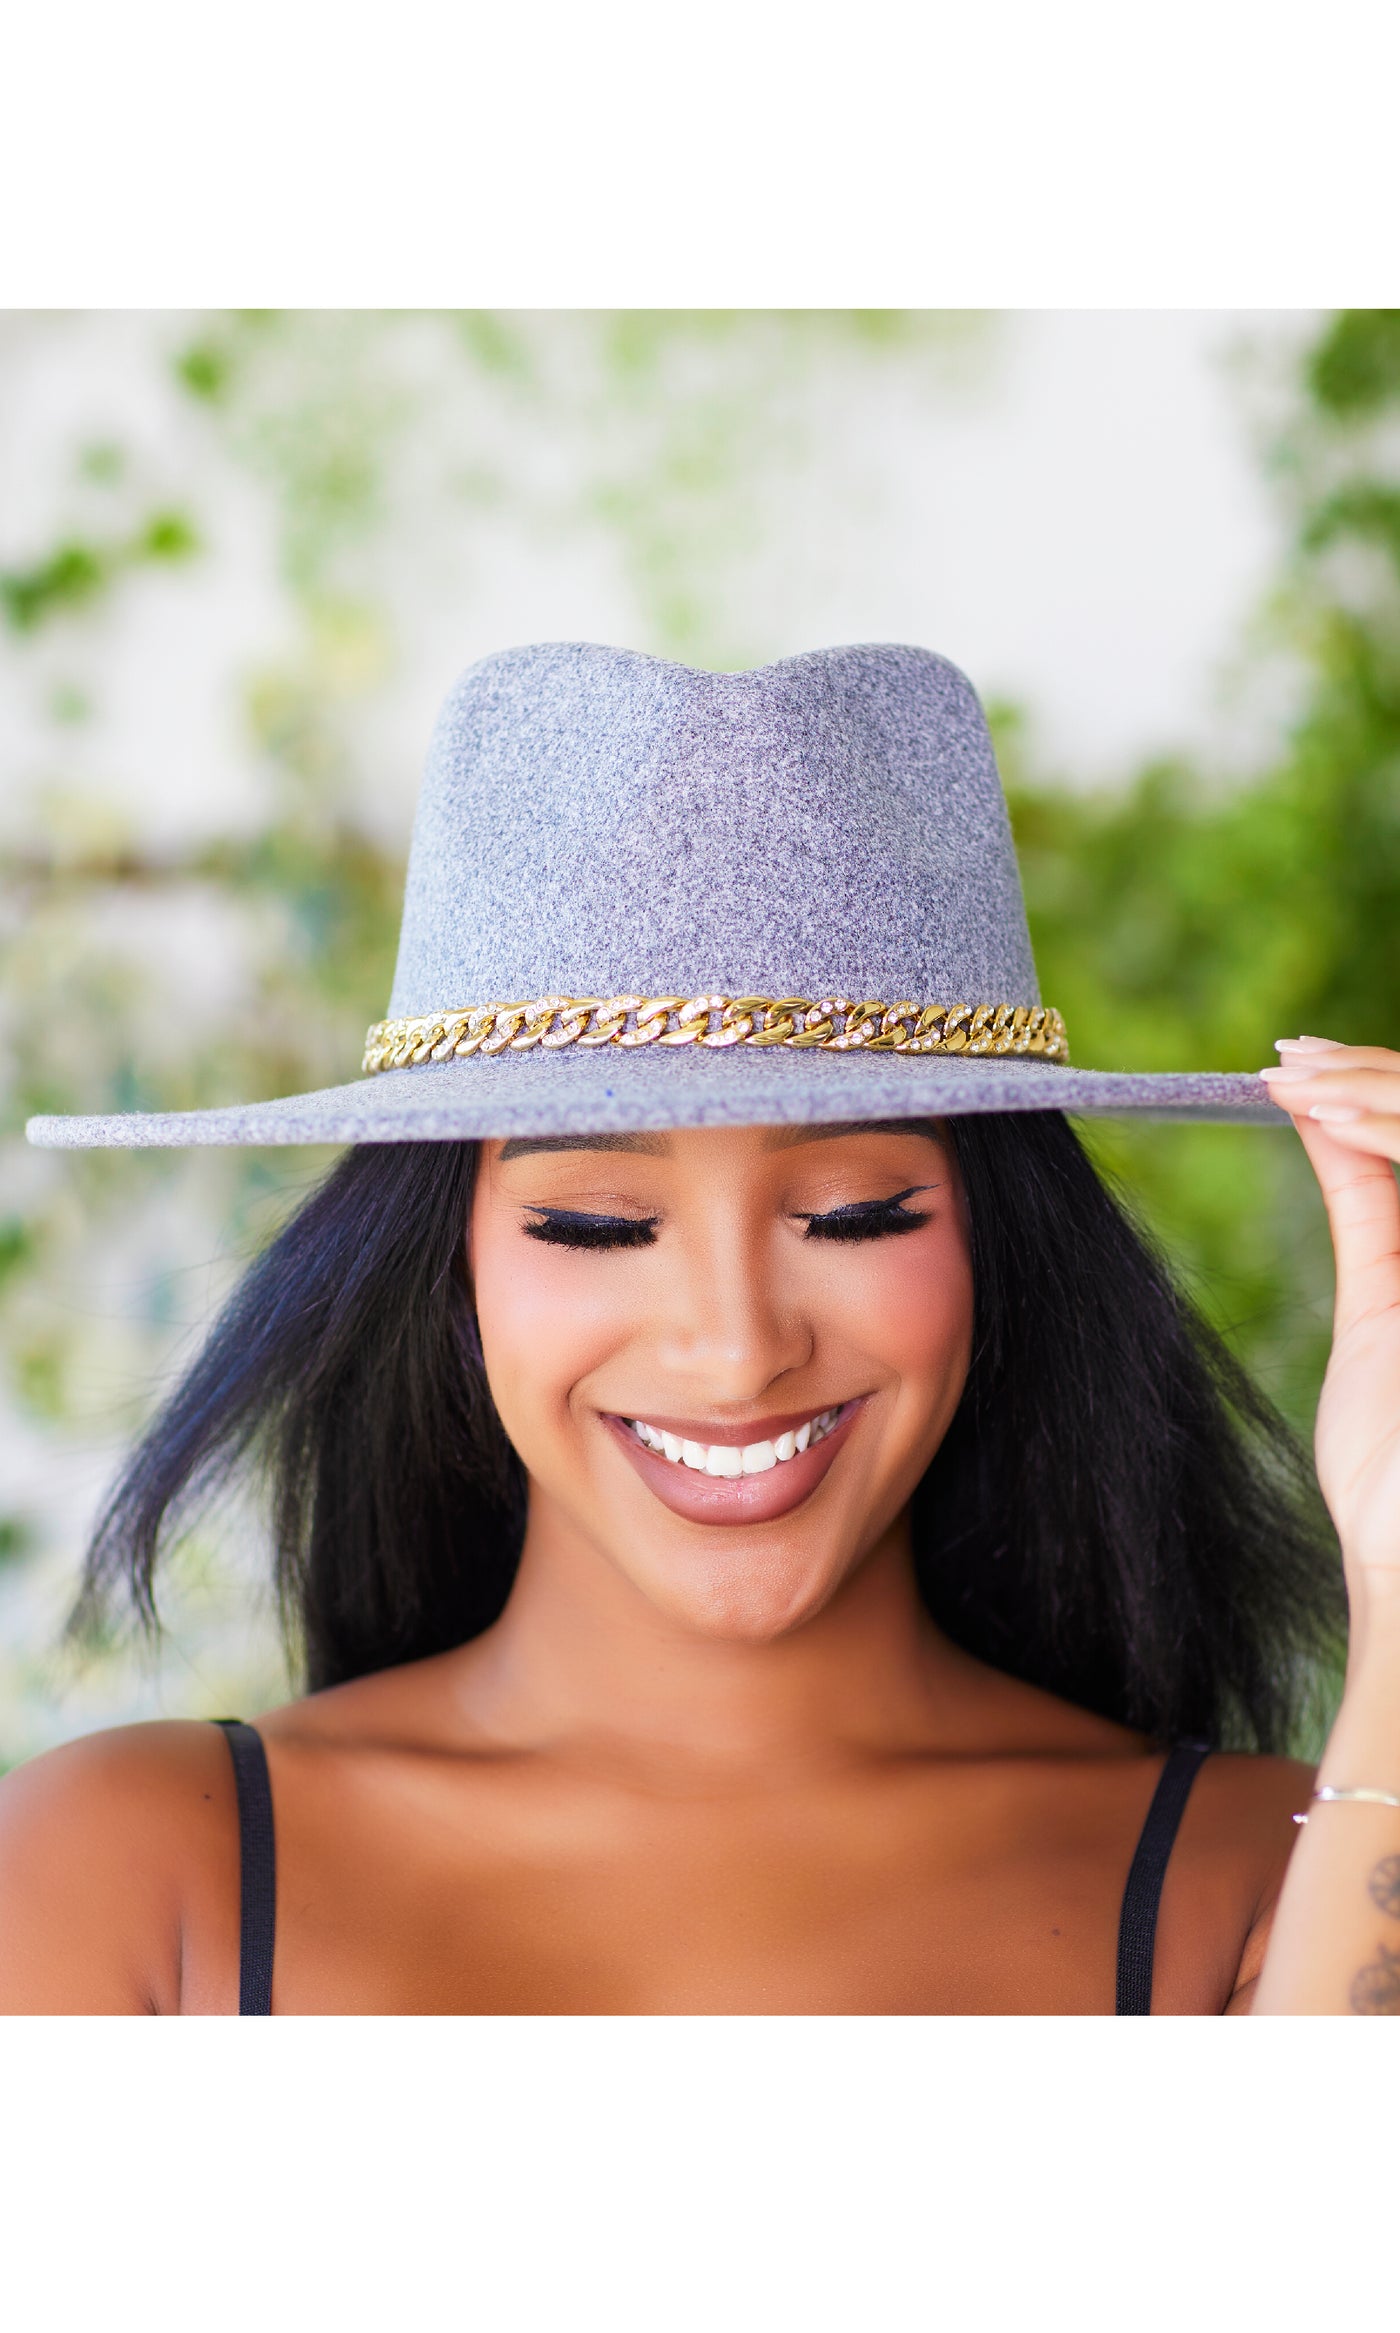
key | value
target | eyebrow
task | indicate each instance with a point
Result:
(530, 1146)
(791, 1136)
(654, 1145)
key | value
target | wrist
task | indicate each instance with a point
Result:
(1374, 1600)
(1363, 1745)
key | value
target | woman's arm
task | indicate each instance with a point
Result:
(1334, 1948)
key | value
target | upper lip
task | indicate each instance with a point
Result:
(740, 1432)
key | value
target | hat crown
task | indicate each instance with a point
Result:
(594, 822)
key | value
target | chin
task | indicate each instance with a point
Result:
(733, 1599)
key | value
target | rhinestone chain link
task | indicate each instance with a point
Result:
(830, 1024)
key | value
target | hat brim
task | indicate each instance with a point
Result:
(610, 1091)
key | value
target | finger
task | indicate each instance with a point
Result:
(1341, 1106)
(1296, 1090)
(1322, 1054)
(1368, 1097)
(1363, 1210)
(1357, 1131)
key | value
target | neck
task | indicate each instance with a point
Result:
(581, 1662)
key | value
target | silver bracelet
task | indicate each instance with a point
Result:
(1327, 1796)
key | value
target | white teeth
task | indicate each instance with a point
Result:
(726, 1458)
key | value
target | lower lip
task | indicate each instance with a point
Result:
(736, 1498)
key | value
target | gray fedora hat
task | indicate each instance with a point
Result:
(641, 895)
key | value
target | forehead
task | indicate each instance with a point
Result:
(671, 1145)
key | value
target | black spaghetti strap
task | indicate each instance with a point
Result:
(1137, 1926)
(258, 1868)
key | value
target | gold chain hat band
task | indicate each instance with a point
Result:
(832, 1024)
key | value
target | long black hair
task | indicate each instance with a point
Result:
(1117, 1513)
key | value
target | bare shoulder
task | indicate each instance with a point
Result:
(104, 1843)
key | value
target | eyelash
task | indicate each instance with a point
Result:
(866, 1218)
(561, 1227)
(863, 1219)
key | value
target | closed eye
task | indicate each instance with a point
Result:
(868, 1218)
(569, 1227)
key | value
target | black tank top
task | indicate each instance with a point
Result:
(1137, 1924)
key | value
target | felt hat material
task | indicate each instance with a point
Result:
(594, 823)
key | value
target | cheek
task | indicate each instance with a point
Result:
(545, 1321)
(910, 1307)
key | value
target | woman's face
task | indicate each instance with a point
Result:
(725, 1357)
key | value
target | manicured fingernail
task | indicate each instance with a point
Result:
(1305, 1044)
(1288, 1073)
(1335, 1117)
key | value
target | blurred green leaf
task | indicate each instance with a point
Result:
(17, 1538)
(17, 1245)
(1355, 368)
(72, 575)
(168, 535)
(76, 574)
(206, 369)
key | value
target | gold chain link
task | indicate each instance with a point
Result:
(829, 1024)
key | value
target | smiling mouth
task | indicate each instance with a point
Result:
(778, 1468)
(729, 1459)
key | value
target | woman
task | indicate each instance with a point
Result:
(764, 1533)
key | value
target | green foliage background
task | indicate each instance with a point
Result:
(1185, 917)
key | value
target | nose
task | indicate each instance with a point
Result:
(734, 1324)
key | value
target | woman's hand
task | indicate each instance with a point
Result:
(1335, 1942)
(1345, 1102)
